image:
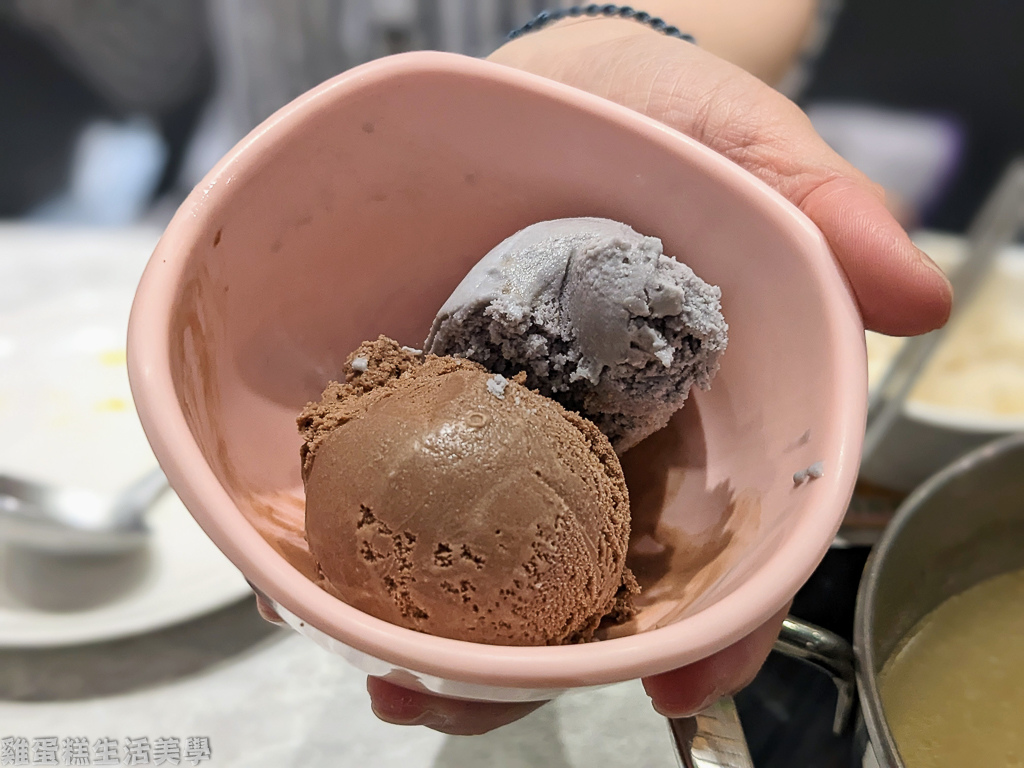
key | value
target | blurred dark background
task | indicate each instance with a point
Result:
(925, 97)
(958, 62)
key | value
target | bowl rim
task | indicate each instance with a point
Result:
(709, 630)
(962, 420)
(867, 601)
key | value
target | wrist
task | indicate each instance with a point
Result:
(569, 34)
(599, 11)
(762, 38)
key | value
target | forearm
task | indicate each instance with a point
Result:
(761, 36)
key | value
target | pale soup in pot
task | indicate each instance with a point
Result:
(953, 692)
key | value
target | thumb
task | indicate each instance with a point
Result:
(899, 289)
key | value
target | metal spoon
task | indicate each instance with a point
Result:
(75, 521)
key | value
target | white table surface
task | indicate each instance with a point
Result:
(264, 696)
(67, 419)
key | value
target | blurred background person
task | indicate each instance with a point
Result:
(138, 98)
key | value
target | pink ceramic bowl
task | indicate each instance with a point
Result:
(357, 208)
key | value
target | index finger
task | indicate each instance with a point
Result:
(685, 691)
(458, 717)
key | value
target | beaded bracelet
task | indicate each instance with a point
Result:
(544, 18)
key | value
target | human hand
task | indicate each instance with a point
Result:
(678, 693)
(898, 288)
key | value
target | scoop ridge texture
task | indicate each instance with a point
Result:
(596, 316)
(435, 504)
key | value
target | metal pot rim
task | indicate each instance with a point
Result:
(880, 736)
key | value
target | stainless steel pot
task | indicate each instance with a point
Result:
(962, 526)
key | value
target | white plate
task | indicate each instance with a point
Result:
(66, 417)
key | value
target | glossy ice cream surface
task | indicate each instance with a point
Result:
(446, 499)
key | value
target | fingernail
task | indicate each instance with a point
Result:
(927, 261)
(688, 713)
(427, 718)
(267, 612)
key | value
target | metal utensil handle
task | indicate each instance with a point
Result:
(140, 495)
(713, 738)
(993, 229)
(828, 652)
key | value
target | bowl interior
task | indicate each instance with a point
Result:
(355, 211)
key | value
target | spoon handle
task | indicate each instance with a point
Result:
(713, 738)
(140, 496)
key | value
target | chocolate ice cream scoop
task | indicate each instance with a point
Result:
(596, 316)
(450, 500)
